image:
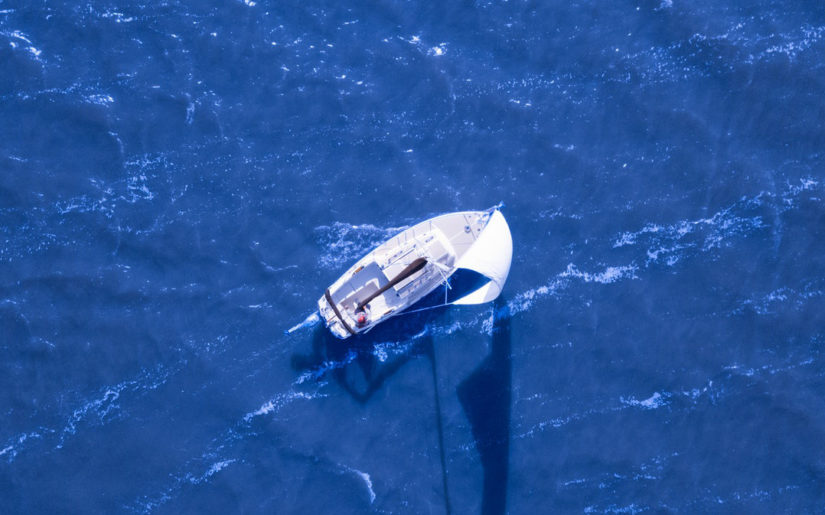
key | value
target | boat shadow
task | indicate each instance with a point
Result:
(361, 365)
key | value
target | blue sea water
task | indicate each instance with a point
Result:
(179, 182)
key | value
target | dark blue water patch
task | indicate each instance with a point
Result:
(178, 183)
(78, 137)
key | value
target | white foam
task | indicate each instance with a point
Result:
(214, 469)
(650, 470)
(133, 189)
(19, 35)
(368, 483)
(380, 353)
(781, 298)
(100, 408)
(279, 401)
(796, 43)
(190, 111)
(793, 190)
(325, 367)
(668, 243)
(629, 238)
(749, 39)
(439, 50)
(98, 411)
(100, 99)
(118, 17)
(309, 321)
(343, 243)
(6, 450)
(280, 269)
(365, 477)
(136, 185)
(632, 508)
(657, 400)
(610, 275)
(525, 300)
(383, 350)
(558, 422)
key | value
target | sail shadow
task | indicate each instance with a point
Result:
(485, 396)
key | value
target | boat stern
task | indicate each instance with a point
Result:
(334, 323)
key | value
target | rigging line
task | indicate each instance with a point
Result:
(438, 266)
(447, 283)
(423, 309)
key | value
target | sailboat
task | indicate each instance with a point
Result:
(407, 267)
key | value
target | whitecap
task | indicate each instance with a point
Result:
(629, 238)
(610, 275)
(118, 17)
(365, 477)
(19, 35)
(279, 401)
(657, 400)
(439, 50)
(525, 300)
(136, 185)
(325, 367)
(100, 99)
(383, 350)
(213, 469)
(97, 411)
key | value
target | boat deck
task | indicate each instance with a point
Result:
(441, 241)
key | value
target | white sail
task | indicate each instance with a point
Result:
(490, 255)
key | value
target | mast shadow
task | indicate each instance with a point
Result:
(429, 349)
(485, 396)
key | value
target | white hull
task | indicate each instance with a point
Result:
(404, 269)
